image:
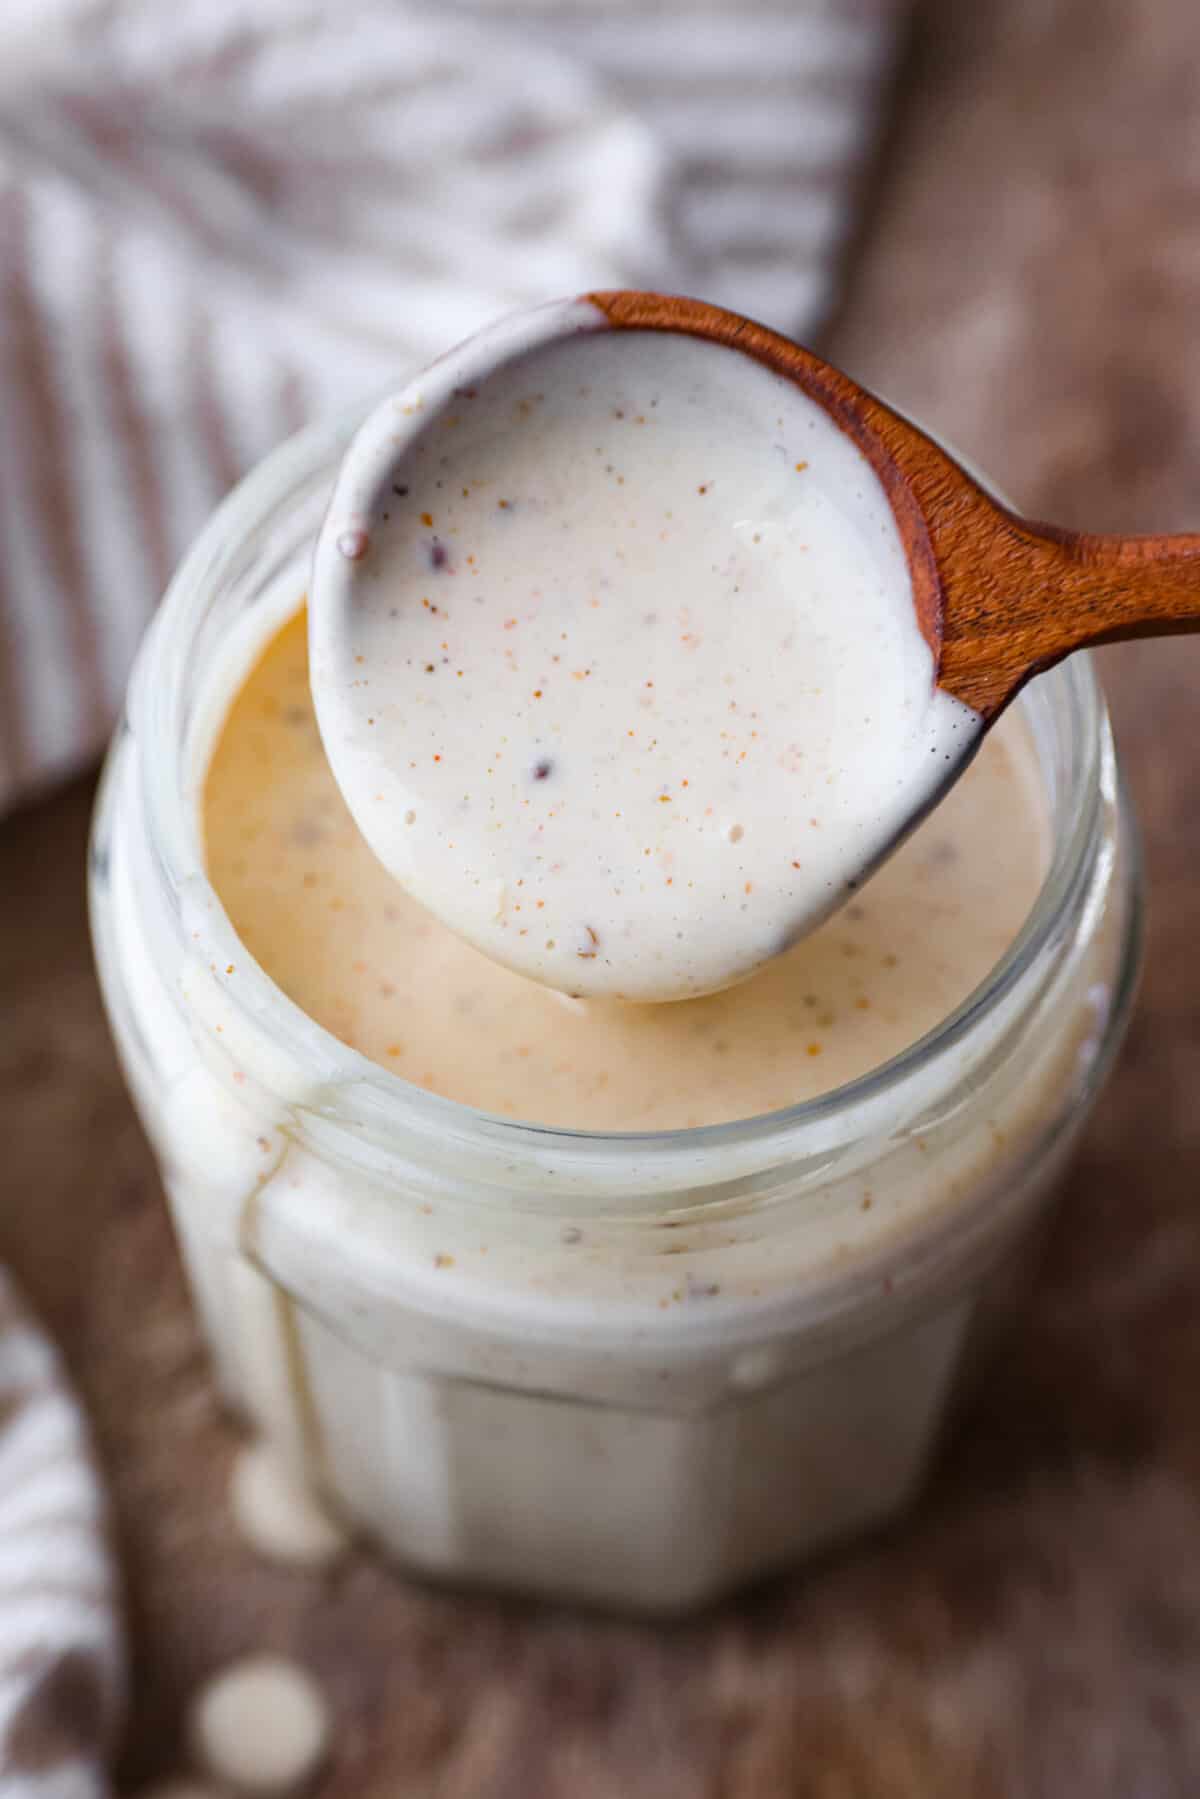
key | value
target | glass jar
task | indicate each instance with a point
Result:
(632, 1369)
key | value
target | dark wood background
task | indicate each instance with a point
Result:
(1028, 282)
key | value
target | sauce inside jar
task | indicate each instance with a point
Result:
(359, 955)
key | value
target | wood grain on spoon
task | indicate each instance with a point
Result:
(998, 597)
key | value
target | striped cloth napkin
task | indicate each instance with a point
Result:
(219, 218)
(62, 1653)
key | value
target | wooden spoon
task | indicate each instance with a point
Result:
(995, 599)
(998, 597)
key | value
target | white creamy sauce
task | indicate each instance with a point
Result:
(279, 1516)
(260, 1726)
(615, 659)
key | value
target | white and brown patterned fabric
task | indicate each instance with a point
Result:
(61, 1650)
(221, 217)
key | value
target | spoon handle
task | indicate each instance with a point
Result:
(1035, 593)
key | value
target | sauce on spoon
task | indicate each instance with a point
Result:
(615, 655)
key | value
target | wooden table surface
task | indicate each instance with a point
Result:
(1030, 285)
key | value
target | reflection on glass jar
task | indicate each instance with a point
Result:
(637, 1369)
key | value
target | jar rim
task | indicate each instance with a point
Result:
(384, 1102)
